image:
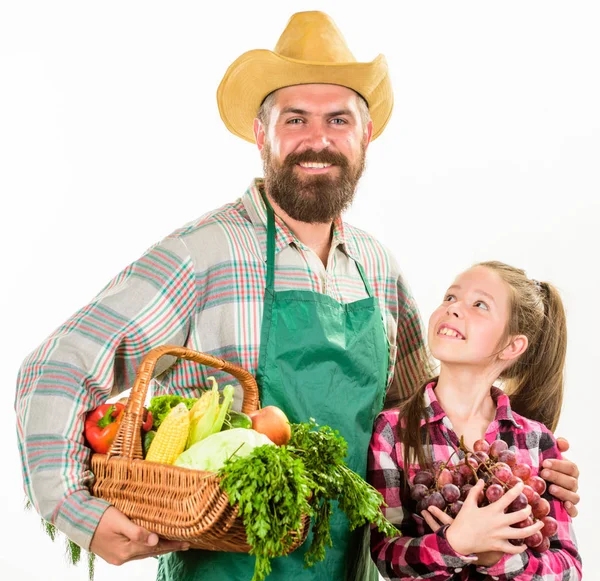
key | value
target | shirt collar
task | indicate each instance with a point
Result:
(435, 413)
(255, 206)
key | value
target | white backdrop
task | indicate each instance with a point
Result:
(110, 139)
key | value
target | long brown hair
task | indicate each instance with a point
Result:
(534, 382)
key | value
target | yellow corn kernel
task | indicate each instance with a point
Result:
(171, 436)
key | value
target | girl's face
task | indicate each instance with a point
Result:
(469, 325)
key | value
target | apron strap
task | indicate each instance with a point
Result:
(270, 245)
(271, 252)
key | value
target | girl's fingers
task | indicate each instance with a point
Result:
(440, 515)
(513, 518)
(474, 493)
(511, 549)
(514, 533)
(434, 525)
(503, 502)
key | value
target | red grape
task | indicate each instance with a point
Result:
(543, 546)
(541, 508)
(524, 523)
(518, 503)
(436, 499)
(502, 471)
(418, 491)
(465, 470)
(482, 457)
(451, 493)
(534, 540)
(523, 471)
(444, 477)
(459, 479)
(538, 484)
(472, 461)
(494, 492)
(550, 526)
(464, 491)
(530, 494)
(514, 480)
(516, 542)
(481, 446)
(496, 447)
(423, 477)
(508, 457)
(455, 507)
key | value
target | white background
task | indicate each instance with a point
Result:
(110, 138)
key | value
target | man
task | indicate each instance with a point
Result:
(274, 282)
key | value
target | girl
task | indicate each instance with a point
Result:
(494, 323)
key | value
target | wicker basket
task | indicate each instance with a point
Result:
(176, 503)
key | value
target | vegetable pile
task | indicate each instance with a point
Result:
(278, 473)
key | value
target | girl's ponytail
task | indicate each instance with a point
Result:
(536, 382)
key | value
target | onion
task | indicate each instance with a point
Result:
(273, 423)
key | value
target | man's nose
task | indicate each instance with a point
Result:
(317, 138)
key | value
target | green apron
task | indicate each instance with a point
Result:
(320, 359)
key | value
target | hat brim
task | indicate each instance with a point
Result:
(257, 73)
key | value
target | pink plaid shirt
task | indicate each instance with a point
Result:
(422, 554)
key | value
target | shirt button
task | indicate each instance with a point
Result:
(494, 577)
(458, 570)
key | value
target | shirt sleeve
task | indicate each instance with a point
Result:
(561, 562)
(416, 554)
(413, 363)
(90, 358)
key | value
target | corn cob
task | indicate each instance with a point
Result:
(171, 436)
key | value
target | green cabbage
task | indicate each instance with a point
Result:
(210, 454)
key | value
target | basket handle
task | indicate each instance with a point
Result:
(128, 441)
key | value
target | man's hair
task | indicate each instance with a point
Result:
(264, 111)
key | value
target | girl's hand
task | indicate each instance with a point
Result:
(486, 559)
(480, 530)
(564, 475)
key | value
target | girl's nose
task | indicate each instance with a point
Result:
(454, 309)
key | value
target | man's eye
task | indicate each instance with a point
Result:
(481, 305)
(294, 121)
(338, 121)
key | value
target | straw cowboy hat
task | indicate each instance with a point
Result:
(310, 50)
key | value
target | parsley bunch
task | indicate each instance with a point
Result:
(273, 486)
(272, 490)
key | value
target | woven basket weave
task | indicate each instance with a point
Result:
(176, 503)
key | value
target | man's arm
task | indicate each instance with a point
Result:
(91, 357)
(414, 365)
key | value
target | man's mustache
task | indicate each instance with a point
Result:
(323, 156)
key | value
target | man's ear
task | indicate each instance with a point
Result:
(516, 348)
(259, 134)
(368, 134)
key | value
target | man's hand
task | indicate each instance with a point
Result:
(118, 540)
(564, 474)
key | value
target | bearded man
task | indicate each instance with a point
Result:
(274, 282)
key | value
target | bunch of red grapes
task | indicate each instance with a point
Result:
(447, 487)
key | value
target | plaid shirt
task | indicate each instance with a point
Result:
(423, 554)
(201, 287)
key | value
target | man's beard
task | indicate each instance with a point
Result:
(312, 198)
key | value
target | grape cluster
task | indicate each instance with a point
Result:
(447, 486)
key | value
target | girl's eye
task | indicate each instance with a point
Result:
(449, 298)
(481, 305)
